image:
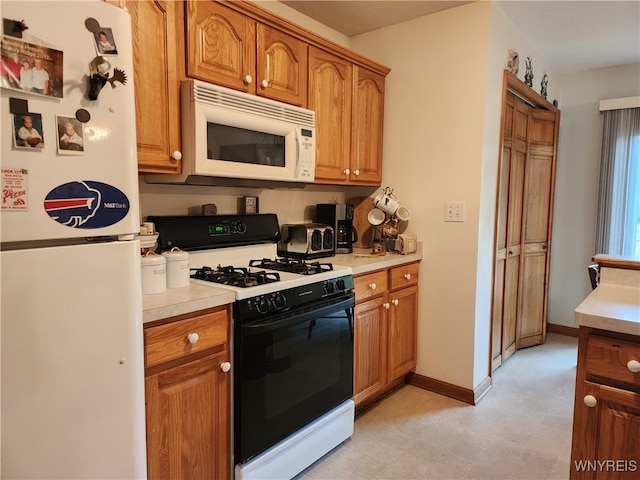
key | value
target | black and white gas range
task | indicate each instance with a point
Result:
(292, 342)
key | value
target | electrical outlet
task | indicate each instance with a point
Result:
(454, 212)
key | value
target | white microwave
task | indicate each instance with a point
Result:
(230, 134)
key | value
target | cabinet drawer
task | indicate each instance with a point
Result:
(607, 362)
(404, 276)
(169, 342)
(370, 285)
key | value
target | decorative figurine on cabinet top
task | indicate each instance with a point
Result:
(543, 85)
(528, 74)
(514, 62)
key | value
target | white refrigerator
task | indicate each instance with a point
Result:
(71, 346)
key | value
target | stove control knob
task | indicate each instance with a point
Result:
(240, 227)
(279, 301)
(329, 287)
(340, 284)
(262, 305)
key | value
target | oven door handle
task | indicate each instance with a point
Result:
(293, 318)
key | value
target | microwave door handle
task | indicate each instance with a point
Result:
(298, 160)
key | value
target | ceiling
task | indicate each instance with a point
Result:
(572, 35)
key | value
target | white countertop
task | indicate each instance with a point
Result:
(361, 261)
(177, 301)
(198, 296)
(613, 305)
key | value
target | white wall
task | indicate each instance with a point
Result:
(577, 182)
(442, 129)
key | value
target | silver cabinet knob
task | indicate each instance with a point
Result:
(225, 367)
(193, 338)
(590, 401)
(176, 155)
(248, 79)
(633, 366)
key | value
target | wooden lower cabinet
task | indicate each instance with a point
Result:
(187, 390)
(385, 347)
(606, 422)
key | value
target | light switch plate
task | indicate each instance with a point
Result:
(454, 211)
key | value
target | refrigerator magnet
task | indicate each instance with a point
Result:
(27, 132)
(86, 204)
(14, 189)
(70, 136)
(31, 68)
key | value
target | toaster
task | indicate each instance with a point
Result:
(306, 241)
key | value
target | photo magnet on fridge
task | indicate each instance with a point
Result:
(70, 136)
(31, 68)
(27, 131)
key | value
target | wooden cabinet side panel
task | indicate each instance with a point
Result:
(330, 90)
(158, 45)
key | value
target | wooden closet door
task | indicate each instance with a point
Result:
(537, 216)
(514, 227)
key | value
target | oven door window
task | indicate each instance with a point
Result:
(290, 375)
(239, 145)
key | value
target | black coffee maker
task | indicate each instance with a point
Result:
(340, 217)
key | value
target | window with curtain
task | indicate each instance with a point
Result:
(618, 218)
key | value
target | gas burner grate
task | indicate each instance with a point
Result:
(292, 265)
(234, 276)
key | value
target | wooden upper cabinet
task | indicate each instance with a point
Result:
(221, 46)
(364, 107)
(231, 49)
(368, 118)
(282, 66)
(330, 92)
(158, 68)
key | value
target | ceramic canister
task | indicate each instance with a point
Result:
(177, 268)
(154, 273)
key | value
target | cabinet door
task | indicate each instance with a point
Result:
(158, 46)
(221, 45)
(330, 90)
(370, 349)
(605, 436)
(403, 330)
(536, 226)
(282, 66)
(188, 420)
(366, 136)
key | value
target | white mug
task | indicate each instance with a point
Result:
(375, 216)
(387, 201)
(403, 214)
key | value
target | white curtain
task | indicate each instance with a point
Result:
(618, 217)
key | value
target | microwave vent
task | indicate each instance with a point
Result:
(243, 102)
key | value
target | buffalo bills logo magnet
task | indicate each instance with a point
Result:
(86, 204)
